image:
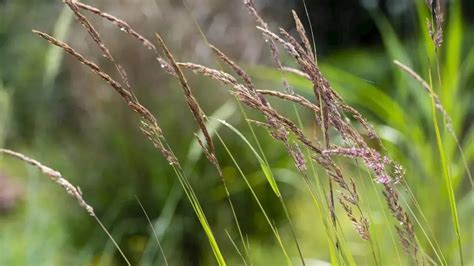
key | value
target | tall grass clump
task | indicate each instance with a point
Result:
(341, 135)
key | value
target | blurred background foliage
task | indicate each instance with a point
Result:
(53, 109)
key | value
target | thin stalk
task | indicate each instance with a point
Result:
(112, 239)
(292, 229)
(236, 247)
(443, 262)
(280, 196)
(446, 173)
(311, 30)
(279, 240)
(200, 213)
(153, 230)
(448, 181)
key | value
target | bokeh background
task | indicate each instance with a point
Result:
(53, 109)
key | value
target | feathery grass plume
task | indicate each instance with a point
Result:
(193, 105)
(55, 176)
(303, 57)
(435, 26)
(361, 225)
(72, 190)
(149, 127)
(250, 87)
(125, 27)
(439, 18)
(298, 157)
(405, 230)
(332, 106)
(240, 72)
(279, 127)
(149, 124)
(294, 49)
(372, 159)
(221, 76)
(331, 101)
(245, 95)
(273, 47)
(237, 69)
(300, 100)
(98, 40)
(322, 87)
(302, 33)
